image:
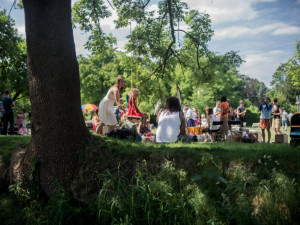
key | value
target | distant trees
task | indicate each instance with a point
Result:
(286, 81)
(13, 59)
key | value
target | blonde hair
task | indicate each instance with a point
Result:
(134, 92)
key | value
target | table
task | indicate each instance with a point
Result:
(195, 130)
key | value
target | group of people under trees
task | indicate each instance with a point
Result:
(7, 116)
(172, 120)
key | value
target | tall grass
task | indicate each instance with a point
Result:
(231, 183)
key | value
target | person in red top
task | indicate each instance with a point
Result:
(224, 117)
(133, 111)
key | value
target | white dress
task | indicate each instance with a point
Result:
(168, 127)
(106, 112)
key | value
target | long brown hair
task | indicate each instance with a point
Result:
(119, 78)
(173, 104)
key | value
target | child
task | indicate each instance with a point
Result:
(196, 115)
(133, 110)
(95, 120)
(24, 121)
(211, 117)
(203, 121)
(144, 127)
(19, 118)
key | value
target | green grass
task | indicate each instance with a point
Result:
(198, 183)
(8, 143)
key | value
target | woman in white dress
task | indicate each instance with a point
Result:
(171, 122)
(106, 112)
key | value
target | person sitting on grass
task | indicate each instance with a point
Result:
(95, 120)
(143, 127)
(131, 125)
(265, 117)
(171, 122)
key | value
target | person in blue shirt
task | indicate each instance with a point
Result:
(265, 117)
(8, 105)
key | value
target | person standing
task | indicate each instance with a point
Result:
(106, 111)
(284, 118)
(265, 117)
(217, 109)
(224, 117)
(241, 111)
(1, 114)
(189, 117)
(230, 110)
(8, 105)
(276, 112)
(196, 116)
(290, 117)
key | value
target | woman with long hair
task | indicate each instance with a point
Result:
(106, 112)
(171, 122)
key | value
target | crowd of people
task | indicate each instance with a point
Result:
(7, 117)
(172, 119)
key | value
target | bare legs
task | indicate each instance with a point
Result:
(99, 129)
(263, 135)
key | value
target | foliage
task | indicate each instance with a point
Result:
(13, 59)
(285, 85)
(236, 183)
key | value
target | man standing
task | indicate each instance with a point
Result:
(276, 112)
(8, 105)
(241, 111)
(284, 117)
(265, 118)
(1, 114)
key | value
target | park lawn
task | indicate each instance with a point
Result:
(224, 183)
(8, 143)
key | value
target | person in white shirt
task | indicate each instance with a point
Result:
(217, 109)
(290, 116)
(284, 117)
(171, 122)
(189, 116)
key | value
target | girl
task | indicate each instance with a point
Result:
(19, 118)
(196, 115)
(95, 120)
(133, 110)
(203, 121)
(211, 117)
(24, 121)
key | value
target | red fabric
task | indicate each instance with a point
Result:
(133, 109)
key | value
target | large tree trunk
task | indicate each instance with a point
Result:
(58, 129)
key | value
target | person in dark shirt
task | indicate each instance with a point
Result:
(8, 105)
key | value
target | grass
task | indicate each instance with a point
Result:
(8, 143)
(198, 183)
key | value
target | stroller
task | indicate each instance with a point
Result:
(295, 130)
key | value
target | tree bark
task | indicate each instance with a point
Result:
(58, 129)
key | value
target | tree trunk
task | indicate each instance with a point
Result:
(58, 129)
